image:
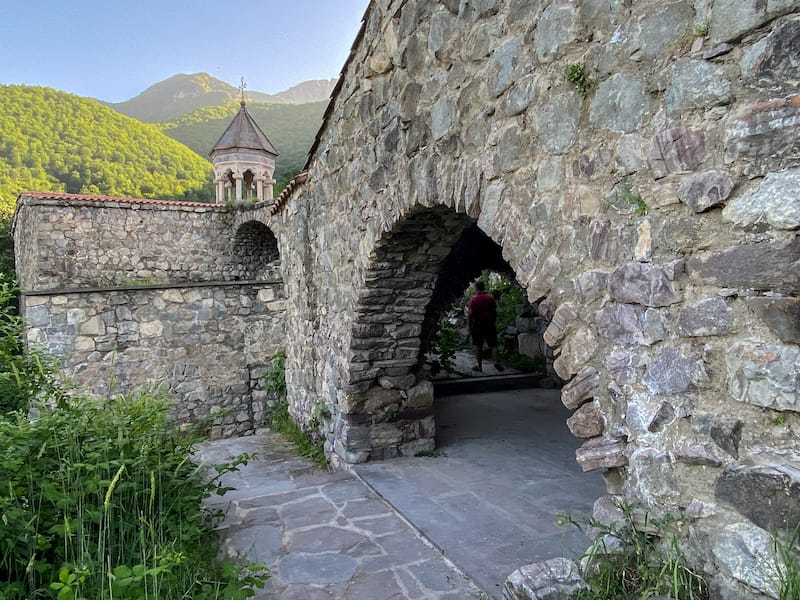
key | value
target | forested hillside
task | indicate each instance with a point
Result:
(290, 127)
(185, 93)
(54, 141)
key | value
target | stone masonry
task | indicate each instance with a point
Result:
(650, 206)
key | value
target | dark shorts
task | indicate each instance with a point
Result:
(484, 333)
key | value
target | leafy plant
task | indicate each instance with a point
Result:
(584, 82)
(102, 500)
(445, 342)
(634, 200)
(638, 557)
(24, 375)
(275, 378)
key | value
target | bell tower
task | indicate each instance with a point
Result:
(243, 159)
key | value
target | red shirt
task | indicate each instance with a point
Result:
(482, 309)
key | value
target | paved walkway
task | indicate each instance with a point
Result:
(483, 505)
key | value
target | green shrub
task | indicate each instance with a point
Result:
(307, 445)
(444, 344)
(275, 378)
(102, 500)
(24, 376)
(638, 557)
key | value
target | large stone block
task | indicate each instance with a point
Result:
(674, 371)
(619, 104)
(563, 317)
(696, 84)
(765, 134)
(782, 315)
(557, 27)
(646, 284)
(767, 266)
(601, 453)
(771, 63)
(774, 201)
(765, 374)
(746, 553)
(705, 190)
(767, 495)
(677, 150)
(552, 579)
(731, 19)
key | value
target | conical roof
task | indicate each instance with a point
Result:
(243, 133)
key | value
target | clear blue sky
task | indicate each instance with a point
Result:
(114, 49)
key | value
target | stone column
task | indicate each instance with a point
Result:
(260, 189)
(238, 179)
(220, 193)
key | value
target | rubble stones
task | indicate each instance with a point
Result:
(581, 388)
(711, 316)
(586, 422)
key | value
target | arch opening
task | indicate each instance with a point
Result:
(255, 253)
(417, 271)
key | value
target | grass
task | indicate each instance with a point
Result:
(282, 422)
(629, 561)
(787, 563)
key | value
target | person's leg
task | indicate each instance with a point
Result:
(477, 342)
(491, 339)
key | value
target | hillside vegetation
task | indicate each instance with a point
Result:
(55, 141)
(290, 127)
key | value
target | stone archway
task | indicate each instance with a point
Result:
(255, 252)
(412, 275)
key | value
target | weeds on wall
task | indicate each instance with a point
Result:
(636, 558)
(634, 200)
(583, 81)
(280, 420)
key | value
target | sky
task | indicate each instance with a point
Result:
(113, 50)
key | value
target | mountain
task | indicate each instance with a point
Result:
(290, 127)
(55, 141)
(183, 94)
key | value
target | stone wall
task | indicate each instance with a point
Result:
(635, 164)
(653, 212)
(183, 298)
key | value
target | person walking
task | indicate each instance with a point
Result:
(481, 315)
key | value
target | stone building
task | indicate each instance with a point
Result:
(244, 161)
(635, 164)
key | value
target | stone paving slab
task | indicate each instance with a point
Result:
(490, 495)
(324, 536)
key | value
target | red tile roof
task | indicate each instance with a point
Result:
(101, 198)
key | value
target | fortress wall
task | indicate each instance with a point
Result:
(654, 212)
(130, 298)
(69, 241)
